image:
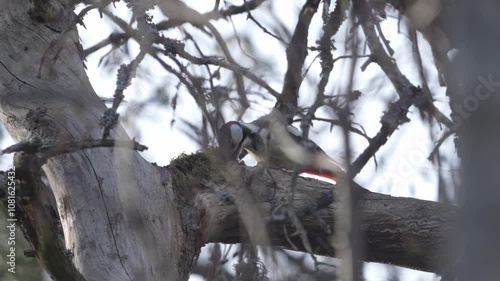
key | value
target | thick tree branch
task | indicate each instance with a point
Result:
(392, 118)
(401, 231)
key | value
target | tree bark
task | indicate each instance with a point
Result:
(116, 209)
(401, 231)
(126, 219)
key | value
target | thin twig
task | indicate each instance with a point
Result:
(330, 27)
(265, 30)
(231, 66)
(334, 122)
(384, 40)
(214, 15)
(439, 143)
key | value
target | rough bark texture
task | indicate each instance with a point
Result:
(126, 219)
(116, 209)
(401, 231)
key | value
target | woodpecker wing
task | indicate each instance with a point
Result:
(284, 154)
(322, 164)
(308, 144)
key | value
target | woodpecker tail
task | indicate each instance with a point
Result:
(324, 166)
(320, 173)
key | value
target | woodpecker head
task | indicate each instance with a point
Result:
(233, 137)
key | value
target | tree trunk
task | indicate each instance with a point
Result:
(116, 209)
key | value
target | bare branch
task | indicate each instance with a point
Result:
(214, 15)
(115, 39)
(395, 116)
(36, 145)
(296, 54)
(390, 68)
(401, 231)
(331, 25)
(334, 122)
(231, 66)
(439, 143)
(265, 30)
(180, 12)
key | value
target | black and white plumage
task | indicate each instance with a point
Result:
(276, 145)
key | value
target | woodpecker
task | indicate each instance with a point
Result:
(277, 146)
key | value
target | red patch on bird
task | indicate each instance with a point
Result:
(323, 174)
(231, 123)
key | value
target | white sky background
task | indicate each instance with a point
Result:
(403, 168)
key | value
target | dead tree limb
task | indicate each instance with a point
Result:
(401, 231)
